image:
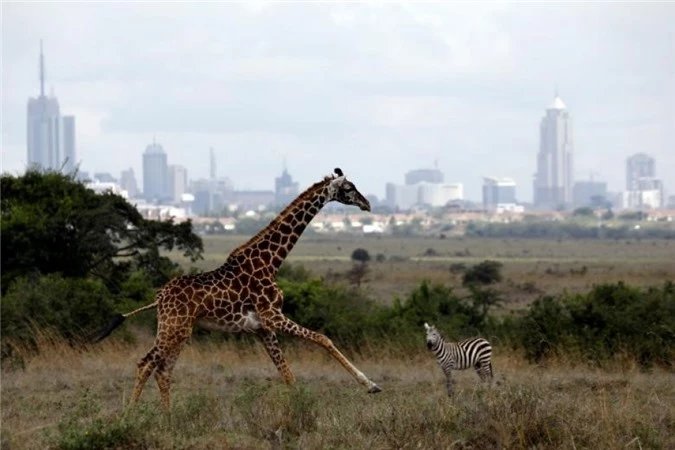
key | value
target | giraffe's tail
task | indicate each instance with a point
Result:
(116, 321)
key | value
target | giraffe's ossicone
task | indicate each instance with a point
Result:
(242, 295)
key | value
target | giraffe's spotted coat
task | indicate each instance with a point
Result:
(242, 294)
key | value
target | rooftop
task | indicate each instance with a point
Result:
(557, 103)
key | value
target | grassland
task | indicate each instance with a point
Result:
(227, 396)
(531, 266)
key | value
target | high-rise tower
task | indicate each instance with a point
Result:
(50, 137)
(638, 167)
(554, 178)
(155, 174)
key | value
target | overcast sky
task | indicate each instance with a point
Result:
(374, 88)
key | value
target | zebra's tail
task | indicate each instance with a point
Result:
(116, 321)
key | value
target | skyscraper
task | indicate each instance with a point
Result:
(553, 180)
(639, 166)
(498, 191)
(178, 182)
(285, 190)
(128, 182)
(155, 173)
(50, 137)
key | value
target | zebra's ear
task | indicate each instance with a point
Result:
(426, 326)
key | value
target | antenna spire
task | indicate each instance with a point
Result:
(42, 71)
(555, 92)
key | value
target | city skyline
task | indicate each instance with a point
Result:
(374, 100)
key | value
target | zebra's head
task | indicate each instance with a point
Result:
(433, 336)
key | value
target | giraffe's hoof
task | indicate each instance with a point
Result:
(374, 389)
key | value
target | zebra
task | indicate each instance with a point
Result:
(474, 352)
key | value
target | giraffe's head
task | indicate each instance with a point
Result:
(344, 191)
(433, 335)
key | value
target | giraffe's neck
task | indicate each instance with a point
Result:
(270, 247)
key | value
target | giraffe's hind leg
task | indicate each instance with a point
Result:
(161, 360)
(271, 343)
(146, 367)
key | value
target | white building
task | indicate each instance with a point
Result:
(439, 194)
(178, 182)
(553, 180)
(102, 187)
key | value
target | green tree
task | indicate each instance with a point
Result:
(486, 272)
(360, 255)
(52, 223)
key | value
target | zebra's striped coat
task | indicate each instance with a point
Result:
(474, 352)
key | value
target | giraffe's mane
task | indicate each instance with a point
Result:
(307, 193)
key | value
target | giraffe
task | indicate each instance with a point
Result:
(241, 295)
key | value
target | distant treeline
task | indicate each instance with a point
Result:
(558, 230)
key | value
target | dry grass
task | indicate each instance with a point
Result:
(229, 396)
(531, 266)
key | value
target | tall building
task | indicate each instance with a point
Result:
(553, 180)
(498, 191)
(178, 182)
(50, 137)
(128, 182)
(643, 189)
(639, 166)
(285, 190)
(155, 174)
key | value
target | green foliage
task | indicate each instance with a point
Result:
(68, 305)
(584, 212)
(291, 272)
(52, 223)
(71, 256)
(486, 272)
(344, 314)
(612, 320)
(633, 215)
(361, 255)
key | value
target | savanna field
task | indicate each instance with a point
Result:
(227, 393)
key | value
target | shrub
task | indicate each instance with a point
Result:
(360, 255)
(610, 321)
(53, 302)
(486, 272)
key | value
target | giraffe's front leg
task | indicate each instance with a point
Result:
(271, 343)
(284, 324)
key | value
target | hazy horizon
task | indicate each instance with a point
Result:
(376, 89)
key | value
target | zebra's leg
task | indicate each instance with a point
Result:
(448, 382)
(484, 371)
(490, 374)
